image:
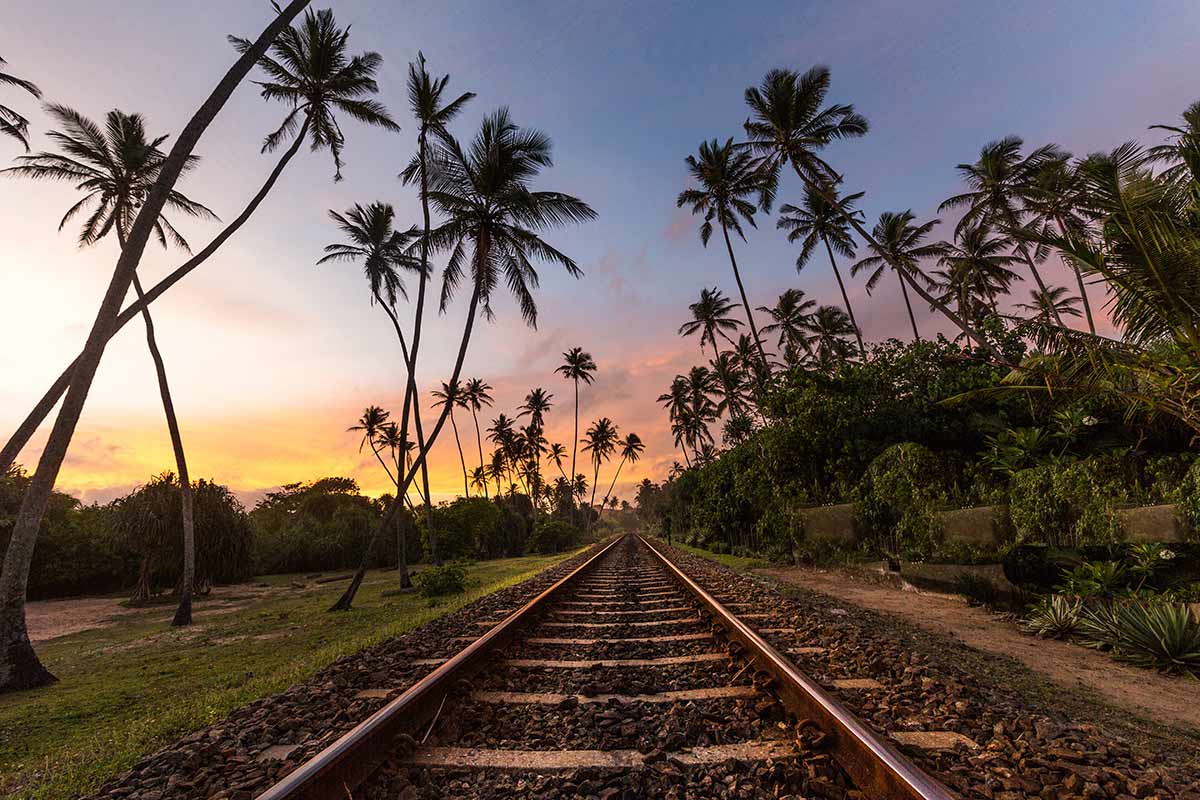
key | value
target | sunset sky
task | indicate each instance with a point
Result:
(271, 358)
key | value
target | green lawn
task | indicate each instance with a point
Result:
(740, 563)
(127, 690)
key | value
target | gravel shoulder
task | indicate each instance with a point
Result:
(1156, 699)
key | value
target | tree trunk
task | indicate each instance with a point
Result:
(1087, 306)
(183, 613)
(616, 475)
(143, 588)
(461, 460)
(1037, 277)
(908, 305)
(737, 276)
(345, 602)
(402, 554)
(29, 426)
(19, 665)
(845, 298)
(575, 441)
(479, 443)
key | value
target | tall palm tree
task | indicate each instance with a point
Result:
(711, 316)
(600, 440)
(788, 317)
(116, 168)
(820, 220)
(974, 270)
(997, 187)
(11, 123)
(828, 329)
(1053, 196)
(898, 243)
(1182, 140)
(390, 438)
(1056, 302)
(631, 450)
(450, 395)
(790, 125)
(725, 176)
(558, 454)
(730, 380)
(19, 665)
(371, 423)
(491, 228)
(311, 72)
(577, 366)
(477, 395)
(536, 404)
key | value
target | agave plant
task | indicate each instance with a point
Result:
(1100, 627)
(1161, 635)
(1053, 617)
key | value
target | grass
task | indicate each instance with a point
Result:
(739, 563)
(131, 688)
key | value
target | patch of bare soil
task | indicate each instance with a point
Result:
(1161, 699)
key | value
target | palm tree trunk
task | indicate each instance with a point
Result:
(575, 441)
(1037, 277)
(183, 613)
(912, 320)
(347, 599)
(19, 665)
(845, 298)
(463, 461)
(737, 276)
(616, 475)
(1087, 306)
(29, 426)
(479, 443)
(904, 277)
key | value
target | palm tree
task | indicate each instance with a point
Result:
(974, 270)
(726, 176)
(477, 395)
(601, 440)
(997, 187)
(12, 123)
(1183, 139)
(577, 366)
(390, 437)
(558, 454)
(790, 124)
(788, 318)
(1055, 303)
(450, 396)
(820, 220)
(897, 243)
(731, 379)
(710, 316)
(828, 329)
(631, 450)
(19, 665)
(536, 404)
(116, 168)
(313, 65)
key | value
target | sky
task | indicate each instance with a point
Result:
(271, 357)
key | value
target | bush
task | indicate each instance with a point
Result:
(1160, 635)
(1053, 617)
(1189, 501)
(441, 581)
(899, 499)
(550, 536)
(1071, 504)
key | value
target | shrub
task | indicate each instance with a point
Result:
(1160, 635)
(899, 498)
(1095, 579)
(441, 581)
(550, 536)
(1053, 617)
(1189, 501)
(1071, 504)
(1100, 626)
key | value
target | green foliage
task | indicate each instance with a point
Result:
(1160, 635)
(1053, 617)
(441, 581)
(322, 525)
(1095, 579)
(1072, 504)
(899, 499)
(1189, 500)
(551, 536)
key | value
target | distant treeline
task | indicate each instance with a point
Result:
(133, 542)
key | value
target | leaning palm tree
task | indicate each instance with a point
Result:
(631, 450)
(790, 125)
(11, 123)
(558, 454)
(492, 224)
(115, 168)
(477, 395)
(997, 189)
(450, 395)
(19, 664)
(600, 440)
(899, 246)
(1055, 303)
(311, 71)
(820, 220)
(371, 424)
(536, 404)
(577, 366)
(788, 317)
(974, 271)
(828, 330)
(725, 176)
(710, 316)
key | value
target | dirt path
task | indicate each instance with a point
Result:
(1162, 699)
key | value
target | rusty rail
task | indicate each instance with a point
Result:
(878, 769)
(338, 769)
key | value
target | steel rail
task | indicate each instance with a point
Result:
(338, 769)
(878, 769)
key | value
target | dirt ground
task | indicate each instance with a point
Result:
(1153, 696)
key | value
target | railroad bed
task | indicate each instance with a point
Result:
(624, 679)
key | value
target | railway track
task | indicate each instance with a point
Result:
(623, 679)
